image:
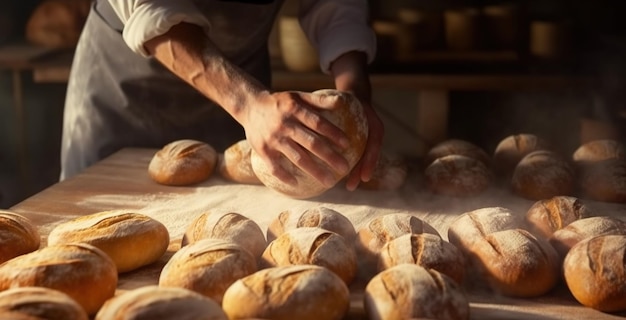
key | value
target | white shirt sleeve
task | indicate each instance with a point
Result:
(146, 19)
(335, 27)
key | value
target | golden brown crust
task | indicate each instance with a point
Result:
(132, 240)
(303, 292)
(235, 164)
(208, 267)
(599, 150)
(510, 151)
(541, 175)
(183, 162)
(351, 119)
(458, 176)
(604, 181)
(82, 271)
(18, 235)
(57, 23)
(474, 225)
(549, 215)
(457, 147)
(564, 239)
(320, 216)
(41, 302)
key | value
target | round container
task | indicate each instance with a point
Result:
(297, 52)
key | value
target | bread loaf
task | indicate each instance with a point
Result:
(390, 173)
(42, 303)
(457, 147)
(57, 24)
(474, 225)
(599, 150)
(235, 164)
(349, 117)
(408, 291)
(183, 162)
(82, 271)
(321, 217)
(18, 235)
(303, 292)
(16, 315)
(208, 266)
(564, 239)
(594, 271)
(549, 215)
(426, 250)
(229, 226)
(458, 176)
(152, 302)
(604, 181)
(512, 149)
(541, 175)
(314, 246)
(132, 240)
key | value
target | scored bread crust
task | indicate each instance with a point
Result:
(41, 302)
(320, 216)
(18, 235)
(183, 162)
(235, 164)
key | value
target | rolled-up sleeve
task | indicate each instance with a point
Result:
(146, 19)
(335, 27)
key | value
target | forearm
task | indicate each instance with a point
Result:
(188, 53)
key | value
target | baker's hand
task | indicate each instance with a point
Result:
(288, 124)
(364, 169)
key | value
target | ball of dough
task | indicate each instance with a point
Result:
(304, 292)
(389, 174)
(57, 23)
(457, 176)
(82, 271)
(314, 246)
(321, 217)
(18, 235)
(564, 239)
(208, 266)
(409, 291)
(132, 240)
(235, 164)
(183, 162)
(595, 273)
(41, 302)
(457, 147)
(348, 116)
(229, 226)
(152, 302)
(549, 215)
(541, 175)
(512, 149)
(604, 181)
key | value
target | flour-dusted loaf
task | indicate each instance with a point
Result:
(235, 164)
(314, 246)
(474, 225)
(303, 292)
(319, 216)
(546, 216)
(183, 162)
(543, 174)
(604, 181)
(409, 291)
(82, 271)
(208, 266)
(564, 239)
(598, 150)
(427, 250)
(458, 176)
(595, 272)
(390, 173)
(57, 24)
(512, 149)
(348, 116)
(153, 302)
(229, 226)
(131, 239)
(457, 147)
(41, 302)
(18, 235)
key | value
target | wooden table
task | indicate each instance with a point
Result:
(121, 182)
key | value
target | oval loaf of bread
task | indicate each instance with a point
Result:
(183, 162)
(321, 217)
(18, 235)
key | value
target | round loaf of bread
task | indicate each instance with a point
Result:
(320, 217)
(18, 235)
(41, 302)
(390, 173)
(599, 150)
(235, 164)
(542, 175)
(229, 226)
(474, 225)
(152, 302)
(314, 246)
(409, 291)
(183, 162)
(57, 23)
(510, 151)
(457, 176)
(549, 215)
(132, 240)
(16, 315)
(516, 263)
(594, 270)
(564, 239)
(604, 181)
(457, 147)
(426, 250)
(304, 292)
(208, 266)
(348, 116)
(82, 271)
